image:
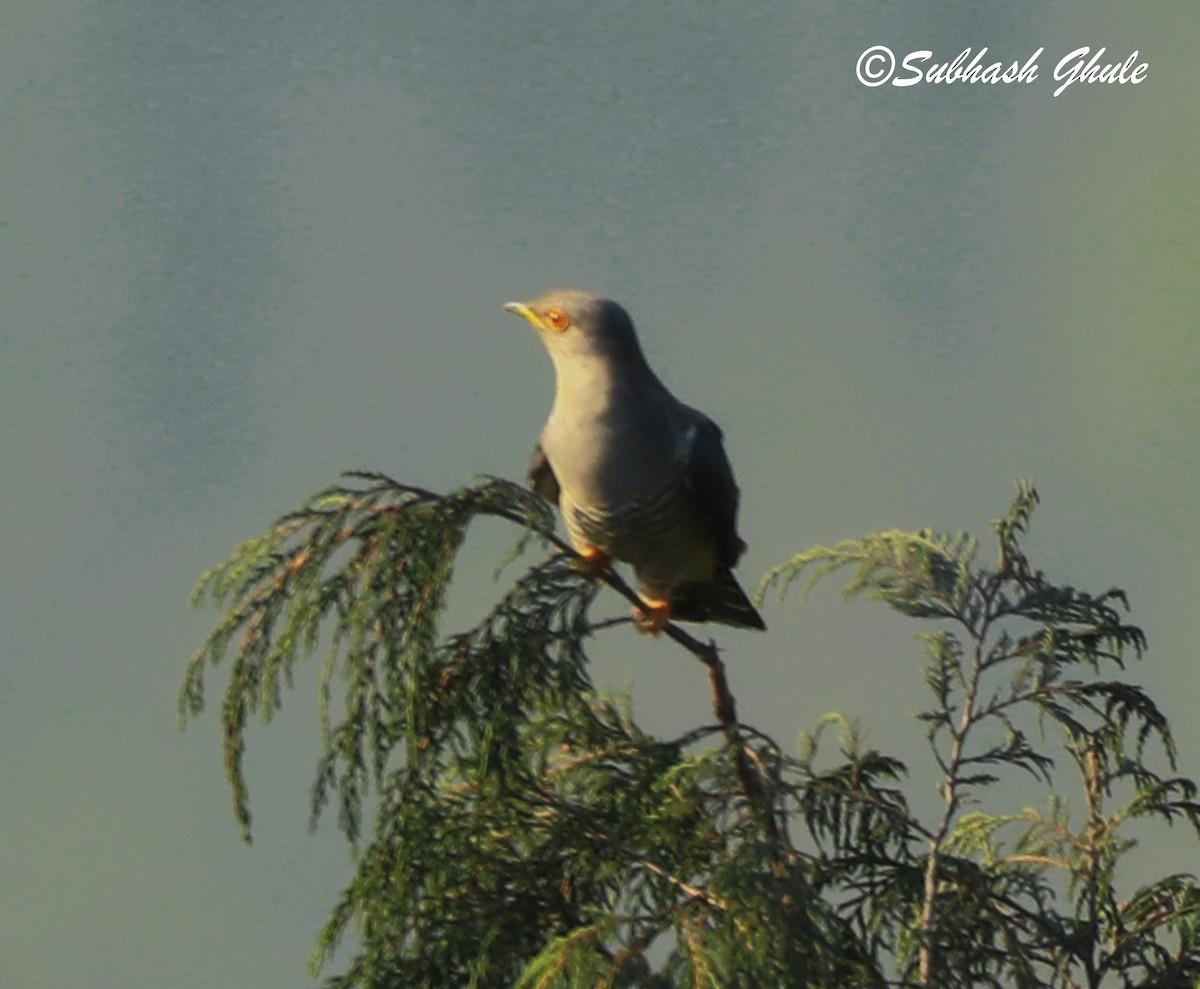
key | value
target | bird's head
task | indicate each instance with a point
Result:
(579, 324)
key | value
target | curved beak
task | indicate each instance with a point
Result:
(522, 310)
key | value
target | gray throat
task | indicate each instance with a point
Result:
(610, 435)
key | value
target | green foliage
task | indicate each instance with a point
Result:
(1015, 654)
(515, 826)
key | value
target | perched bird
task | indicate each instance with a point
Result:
(639, 476)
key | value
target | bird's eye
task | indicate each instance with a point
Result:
(557, 320)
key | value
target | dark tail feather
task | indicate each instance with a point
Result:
(720, 600)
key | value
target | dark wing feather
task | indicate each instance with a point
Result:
(709, 477)
(541, 476)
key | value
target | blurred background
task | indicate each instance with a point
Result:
(245, 246)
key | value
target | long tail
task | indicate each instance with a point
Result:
(719, 600)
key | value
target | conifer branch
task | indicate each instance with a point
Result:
(513, 825)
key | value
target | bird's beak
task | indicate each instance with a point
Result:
(552, 321)
(535, 318)
(520, 309)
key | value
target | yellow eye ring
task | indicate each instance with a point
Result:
(557, 320)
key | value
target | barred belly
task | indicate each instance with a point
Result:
(663, 535)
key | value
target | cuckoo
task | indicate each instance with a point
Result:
(639, 476)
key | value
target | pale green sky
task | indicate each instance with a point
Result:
(245, 246)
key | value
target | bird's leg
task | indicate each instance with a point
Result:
(653, 616)
(593, 560)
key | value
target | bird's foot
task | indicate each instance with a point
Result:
(592, 561)
(653, 616)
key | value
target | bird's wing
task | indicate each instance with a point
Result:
(541, 476)
(709, 478)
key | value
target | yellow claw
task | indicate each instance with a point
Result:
(593, 561)
(653, 617)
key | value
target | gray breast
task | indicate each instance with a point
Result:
(656, 532)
